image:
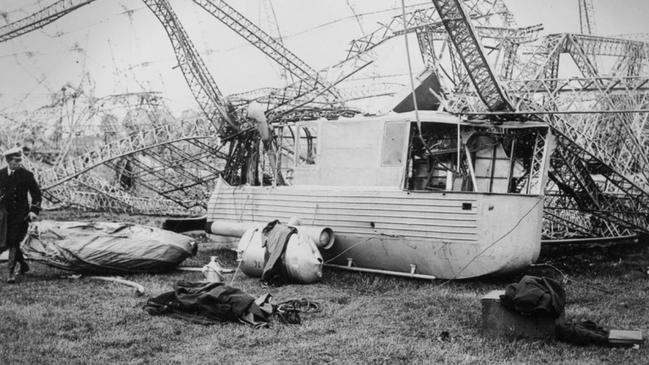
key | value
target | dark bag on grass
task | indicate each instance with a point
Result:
(209, 303)
(535, 296)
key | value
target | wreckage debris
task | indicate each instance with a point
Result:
(106, 248)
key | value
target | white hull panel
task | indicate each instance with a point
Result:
(443, 234)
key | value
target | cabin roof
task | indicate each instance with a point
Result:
(432, 116)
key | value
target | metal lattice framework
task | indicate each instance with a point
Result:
(169, 162)
(89, 192)
(138, 142)
(542, 59)
(573, 169)
(584, 188)
(613, 138)
(41, 18)
(587, 17)
(428, 21)
(463, 36)
(269, 46)
(161, 164)
(200, 81)
(599, 171)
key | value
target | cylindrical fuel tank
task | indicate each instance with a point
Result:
(251, 253)
(302, 259)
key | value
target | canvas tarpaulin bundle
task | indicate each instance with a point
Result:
(102, 247)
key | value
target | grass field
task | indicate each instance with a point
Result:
(49, 318)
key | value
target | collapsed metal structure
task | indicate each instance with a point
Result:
(599, 177)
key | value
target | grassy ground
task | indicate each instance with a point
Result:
(51, 319)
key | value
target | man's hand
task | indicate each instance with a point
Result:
(32, 216)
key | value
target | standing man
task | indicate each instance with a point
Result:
(15, 183)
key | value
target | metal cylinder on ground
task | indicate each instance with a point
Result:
(302, 259)
(231, 228)
(322, 236)
(250, 252)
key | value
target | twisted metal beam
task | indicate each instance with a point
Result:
(461, 33)
(141, 141)
(40, 19)
(200, 80)
(267, 44)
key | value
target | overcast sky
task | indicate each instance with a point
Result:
(122, 47)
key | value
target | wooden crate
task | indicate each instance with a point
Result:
(500, 321)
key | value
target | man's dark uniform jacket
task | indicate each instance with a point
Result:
(14, 205)
(15, 188)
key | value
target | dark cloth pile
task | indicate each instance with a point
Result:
(210, 303)
(276, 238)
(535, 296)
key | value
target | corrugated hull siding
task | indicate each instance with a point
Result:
(447, 235)
(441, 217)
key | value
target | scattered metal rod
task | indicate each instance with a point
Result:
(186, 268)
(139, 289)
(556, 112)
(592, 240)
(384, 272)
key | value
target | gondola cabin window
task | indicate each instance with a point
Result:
(394, 139)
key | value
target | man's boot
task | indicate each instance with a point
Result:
(12, 278)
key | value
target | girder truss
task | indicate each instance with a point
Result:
(138, 142)
(200, 80)
(573, 171)
(616, 139)
(269, 46)
(89, 192)
(584, 187)
(428, 20)
(463, 36)
(542, 60)
(587, 17)
(299, 95)
(40, 19)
